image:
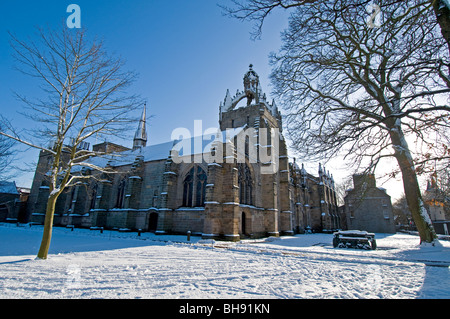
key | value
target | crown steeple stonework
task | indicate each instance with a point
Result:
(254, 95)
(140, 137)
(251, 86)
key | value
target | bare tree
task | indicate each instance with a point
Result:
(259, 10)
(402, 215)
(84, 96)
(442, 11)
(342, 189)
(6, 156)
(351, 86)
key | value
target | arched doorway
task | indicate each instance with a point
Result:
(153, 222)
(243, 224)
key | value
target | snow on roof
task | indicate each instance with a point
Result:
(8, 188)
(189, 146)
(150, 153)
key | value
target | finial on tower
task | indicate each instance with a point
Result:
(251, 85)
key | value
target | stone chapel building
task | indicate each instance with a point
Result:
(211, 187)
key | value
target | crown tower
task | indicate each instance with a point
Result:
(256, 110)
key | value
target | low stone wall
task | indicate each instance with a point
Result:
(188, 219)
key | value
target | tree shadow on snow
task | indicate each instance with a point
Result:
(19, 242)
(436, 284)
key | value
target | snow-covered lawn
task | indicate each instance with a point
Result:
(87, 264)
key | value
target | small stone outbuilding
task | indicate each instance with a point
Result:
(368, 207)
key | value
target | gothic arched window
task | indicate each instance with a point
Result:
(194, 196)
(201, 187)
(155, 198)
(188, 188)
(94, 195)
(121, 194)
(247, 145)
(245, 184)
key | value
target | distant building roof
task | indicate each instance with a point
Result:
(8, 188)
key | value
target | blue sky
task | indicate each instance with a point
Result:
(187, 54)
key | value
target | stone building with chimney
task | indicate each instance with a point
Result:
(368, 207)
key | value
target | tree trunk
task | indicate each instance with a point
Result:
(442, 13)
(48, 227)
(411, 187)
(415, 202)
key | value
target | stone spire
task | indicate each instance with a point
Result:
(140, 138)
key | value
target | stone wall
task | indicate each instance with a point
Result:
(368, 207)
(372, 213)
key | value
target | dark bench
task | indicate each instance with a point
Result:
(354, 239)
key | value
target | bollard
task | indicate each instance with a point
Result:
(101, 230)
(139, 232)
(188, 235)
(73, 227)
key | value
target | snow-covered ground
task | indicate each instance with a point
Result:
(87, 264)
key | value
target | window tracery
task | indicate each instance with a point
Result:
(194, 187)
(245, 184)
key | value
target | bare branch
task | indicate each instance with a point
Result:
(84, 91)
